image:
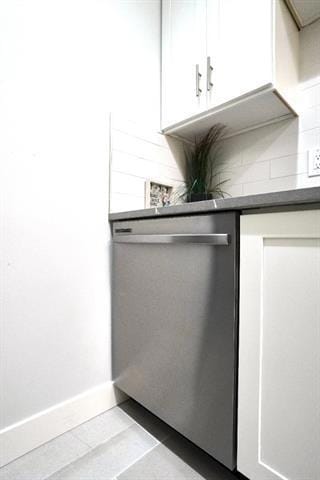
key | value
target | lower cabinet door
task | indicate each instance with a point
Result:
(279, 362)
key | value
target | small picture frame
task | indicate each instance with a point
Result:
(157, 194)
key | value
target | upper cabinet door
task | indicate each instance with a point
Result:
(212, 50)
(183, 48)
(242, 62)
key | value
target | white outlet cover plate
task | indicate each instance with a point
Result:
(314, 162)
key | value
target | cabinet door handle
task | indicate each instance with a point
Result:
(209, 70)
(198, 76)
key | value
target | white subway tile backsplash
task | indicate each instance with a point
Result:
(138, 155)
(121, 203)
(273, 185)
(281, 141)
(318, 116)
(310, 96)
(139, 167)
(247, 173)
(232, 190)
(271, 141)
(230, 153)
(128, 184)
(308, 119)
(281, 183)
(141, 148)
(308, 140)
(290, 165)
(137, 130)
(304, 181)
(318, 93)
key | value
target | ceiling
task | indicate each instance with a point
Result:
(304, 11)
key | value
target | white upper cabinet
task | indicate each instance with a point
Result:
(246, 53)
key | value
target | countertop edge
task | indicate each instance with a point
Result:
(303, 196)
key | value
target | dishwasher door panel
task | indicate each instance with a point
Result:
(175, 327)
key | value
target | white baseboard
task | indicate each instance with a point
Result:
(21, 437)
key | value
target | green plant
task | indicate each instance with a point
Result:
(201, 169)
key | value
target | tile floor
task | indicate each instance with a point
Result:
(125, 443)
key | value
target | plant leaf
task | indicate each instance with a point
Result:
(201, 161)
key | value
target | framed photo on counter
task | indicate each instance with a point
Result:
(157, 194)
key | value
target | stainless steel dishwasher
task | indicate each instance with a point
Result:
(175, 323)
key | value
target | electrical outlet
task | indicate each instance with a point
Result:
(314, 162)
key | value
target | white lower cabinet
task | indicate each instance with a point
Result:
(279, 350)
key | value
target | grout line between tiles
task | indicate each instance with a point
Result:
(127, 194)
(139, 458)
(158, 442)
(80, 440)
(116, 170)
(89, 446)
(144, 139)
(124, 469)
(67, 464)
(145, 453)
(168, 177)
(142, 157)
(269, 176)
(112, 436)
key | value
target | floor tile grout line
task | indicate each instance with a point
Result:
(139, 458)
(76, 437)
(77, 456)
(90, 450)
(82, 441)
(90, 446)
(134, 422)
(70, 463)
(121, 471)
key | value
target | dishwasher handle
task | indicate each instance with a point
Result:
(177, 238)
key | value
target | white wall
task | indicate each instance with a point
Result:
(135, 60)
(276, 157)
(58, 63)
(54, 177)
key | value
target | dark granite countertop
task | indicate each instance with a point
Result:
(304, 197)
